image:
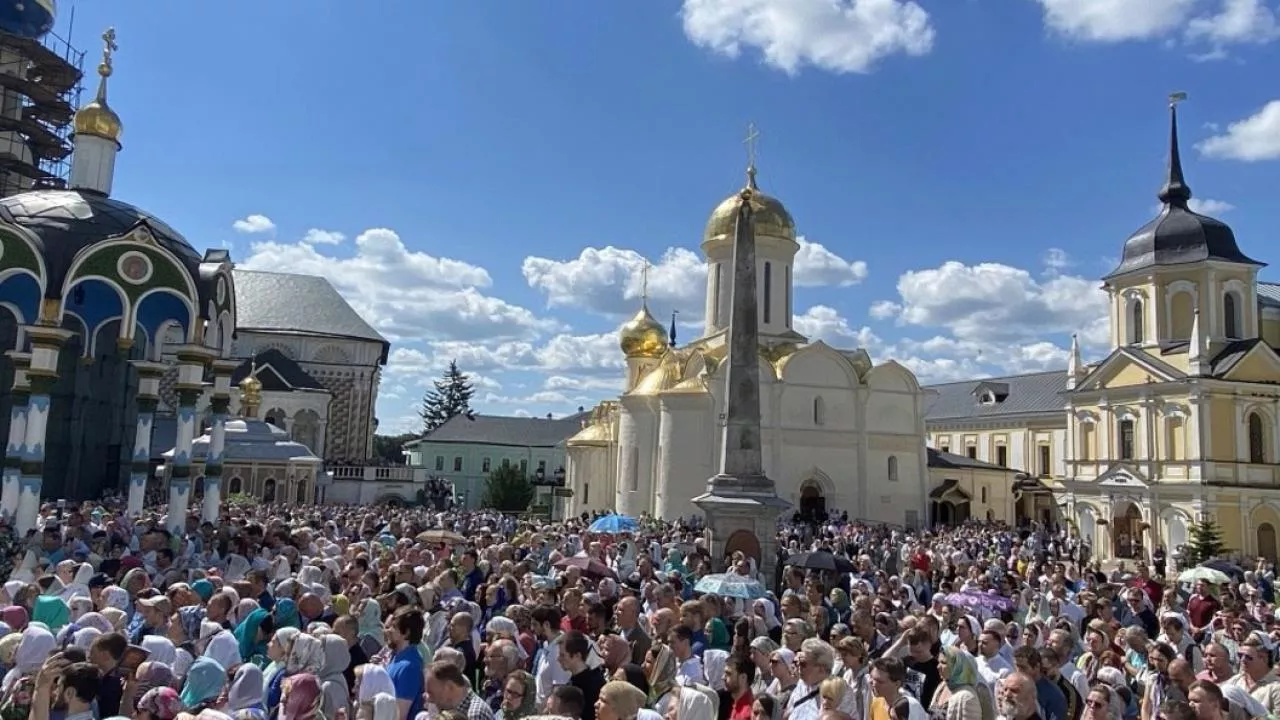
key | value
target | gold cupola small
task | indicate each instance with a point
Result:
(643, 336)
(97, 118)
(250, 393)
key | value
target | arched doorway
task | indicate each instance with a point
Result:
(1126, 530)
(302, 493)
(1176, 527)
(949, 504)
(236, 486)
(1267, 541)
(744, 541)
(813, 505)
(269, 491)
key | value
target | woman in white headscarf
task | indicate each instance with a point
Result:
(225, 650)
(114, 596)
(36, 645)
(372, 681)
(161, 649)
(691, 704)
(333, 683)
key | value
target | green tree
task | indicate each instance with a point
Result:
(451, 397)
(1206, 541)
(390, 448)
(508, 490)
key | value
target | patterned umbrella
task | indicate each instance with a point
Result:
(614, 525)
(986, 601)
(589, 566)
(730, 585)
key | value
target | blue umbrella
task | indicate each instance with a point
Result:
(730, 585)
(614, 525)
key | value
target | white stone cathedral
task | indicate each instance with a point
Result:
(839, 432)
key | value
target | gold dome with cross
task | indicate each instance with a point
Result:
(771, 216)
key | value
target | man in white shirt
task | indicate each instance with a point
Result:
(548, 673)
(991, 664)
(690, 670)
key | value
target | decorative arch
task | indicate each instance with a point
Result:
(235, 486)
(1181, 298)
(790, 367)
(1135, 309)
(892, 375)
(1258, 434)
(20, 290)
(1087, 522)
(94, 300)
(226, 332)
(161, 337)
(276, 416)
(1234, 304)
(306, 430)
(333, 354)
(743, 541)
(167, 270)
(819, 478)
(164, 306)
(1177, 528)
(1128, 523)
(21, 250)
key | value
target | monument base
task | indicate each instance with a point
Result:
(742, 514)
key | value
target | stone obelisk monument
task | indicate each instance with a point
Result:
(741, 497)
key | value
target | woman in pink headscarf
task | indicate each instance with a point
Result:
(301, 697)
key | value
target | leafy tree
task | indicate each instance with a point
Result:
(508, 490)
(390, 448)
(1206, 541)
(241, 500)
(451, 397)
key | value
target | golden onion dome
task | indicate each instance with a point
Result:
(97, 118)
(643, 336)
(771, 216)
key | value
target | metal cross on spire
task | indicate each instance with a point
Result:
(108, 47)
(753, 134)
(644, 283)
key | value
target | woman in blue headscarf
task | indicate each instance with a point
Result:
(252, 634)
(286, 614)
(204, 684)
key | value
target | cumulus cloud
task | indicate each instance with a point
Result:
(841, 36)
(609, 281)
(1215, 24)
(316, 236)
(405, 293)
(254, 224)
(825, 323)
(1252, 139)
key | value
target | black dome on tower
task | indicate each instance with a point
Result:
(1178, 236)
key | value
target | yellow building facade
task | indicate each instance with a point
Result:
(1179, 421)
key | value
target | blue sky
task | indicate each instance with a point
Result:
(481, 180)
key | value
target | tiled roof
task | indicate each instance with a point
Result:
(499, 430)
(1028, 394)
(276, 372)
(305, 304)
(1269, 294)
(939, 459)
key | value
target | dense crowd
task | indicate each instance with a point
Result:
(303, 613)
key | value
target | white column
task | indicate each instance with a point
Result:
(15, 449)
(149, 375)
(220, 405)
(46, 342)
(191, 363)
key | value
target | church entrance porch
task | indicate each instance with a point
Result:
(813, 504)
(949, 504)
(1126, 531)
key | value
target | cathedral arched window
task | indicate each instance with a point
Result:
(1257, 439)
(236, 486)
(1230, 316)
(1136, 325)
(893, 468)
(768, 292)
(819, 411)
(1126, 439)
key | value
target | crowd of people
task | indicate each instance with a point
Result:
(378, 613)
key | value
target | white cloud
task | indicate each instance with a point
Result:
(253, 224)
(1238, 21)
(825, 323)
(404, 293)
(1254, 138)
(1215, 24)
(816, 266)
(1055, 261)
(1209, 206)
(608, 281)
(316, 236)
(842, 36)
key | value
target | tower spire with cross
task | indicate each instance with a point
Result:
(644, 284)
(753, 136)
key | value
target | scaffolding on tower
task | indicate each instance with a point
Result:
(40, 86)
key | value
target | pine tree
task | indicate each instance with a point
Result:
(1206, 541)
(508, 490)
(451, 397)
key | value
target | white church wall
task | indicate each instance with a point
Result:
(828, 459)
(685, 444)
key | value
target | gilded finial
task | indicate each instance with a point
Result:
(250, 392)
(753, 134)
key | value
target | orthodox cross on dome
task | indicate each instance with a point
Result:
(753, 136)
(644, 283)
(108, 47)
